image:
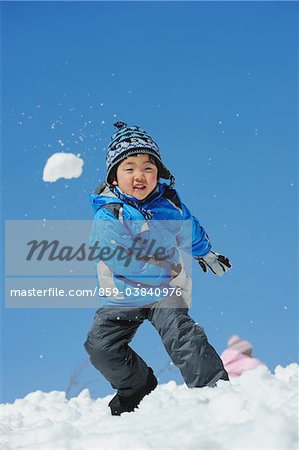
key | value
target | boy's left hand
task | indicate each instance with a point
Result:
(218, 264)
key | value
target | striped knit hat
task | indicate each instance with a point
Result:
(128, 141)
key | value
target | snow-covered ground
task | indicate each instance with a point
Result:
(257, 410)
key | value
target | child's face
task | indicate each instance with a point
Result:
(137, 176)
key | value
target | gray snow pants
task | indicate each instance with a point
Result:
(184, 341)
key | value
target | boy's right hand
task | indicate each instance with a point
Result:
(218, 264)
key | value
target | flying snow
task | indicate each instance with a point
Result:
(62, 165)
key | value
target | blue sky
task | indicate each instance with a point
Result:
(215, 83)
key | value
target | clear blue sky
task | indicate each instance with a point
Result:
(215, 83)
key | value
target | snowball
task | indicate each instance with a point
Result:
(62, 165)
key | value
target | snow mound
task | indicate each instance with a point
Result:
(255, 411)
(62, 165)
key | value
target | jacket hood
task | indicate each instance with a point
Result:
(102, 196)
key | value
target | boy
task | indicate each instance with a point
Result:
(131, 205)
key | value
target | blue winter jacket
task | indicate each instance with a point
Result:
(130, 244)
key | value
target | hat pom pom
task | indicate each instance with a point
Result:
(120, 125)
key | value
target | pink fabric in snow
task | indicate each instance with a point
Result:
(236, 363)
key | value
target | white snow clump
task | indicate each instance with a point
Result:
(62, 165)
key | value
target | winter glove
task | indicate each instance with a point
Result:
(218, 264)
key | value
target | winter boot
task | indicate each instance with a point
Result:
(120, 404)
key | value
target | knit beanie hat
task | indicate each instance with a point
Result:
(131, 140)
(236, 343)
